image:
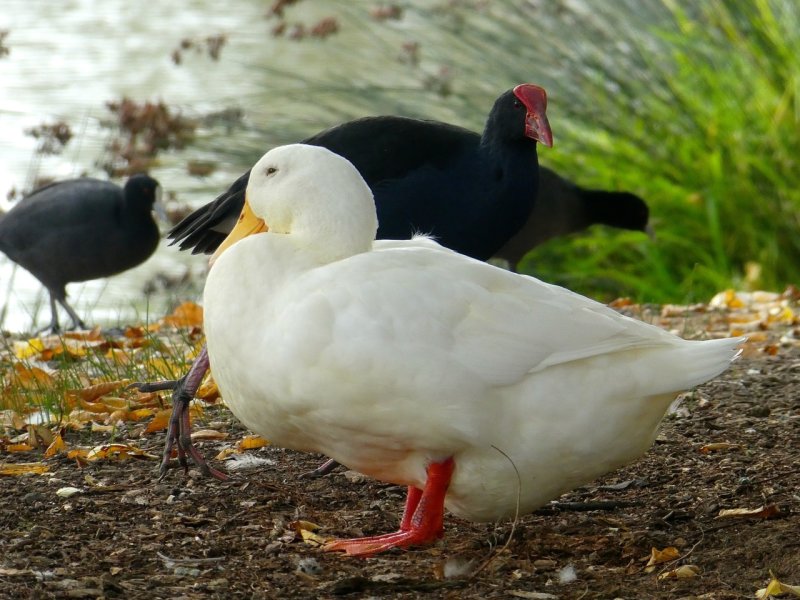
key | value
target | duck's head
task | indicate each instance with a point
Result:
(312, 194)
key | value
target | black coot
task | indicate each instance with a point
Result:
(81, 229)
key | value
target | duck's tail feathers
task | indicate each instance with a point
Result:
(705, 360)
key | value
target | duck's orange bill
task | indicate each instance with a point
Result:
(248, 224)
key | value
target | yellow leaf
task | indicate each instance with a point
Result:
(776, 588)
(56, 446)
(208, 392)
(116, 452)
(187, 314)
(251, 442)
(661, 556)
(307, 531)
(226, 453)
(119, 356)
(28, 348)
(31, 378)
(118, 415)
(114, 402)
(23, 468)
(682, 572)
(78, 453)
(24, 447)
(103, 428)
(141, 413)
(159, 422)
(762, 512)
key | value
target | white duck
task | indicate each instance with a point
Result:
(482, 390)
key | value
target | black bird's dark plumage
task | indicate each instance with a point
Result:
(562, 207)
(81, 229)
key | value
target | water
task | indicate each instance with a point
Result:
(68, 58)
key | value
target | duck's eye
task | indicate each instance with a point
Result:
(271, 171)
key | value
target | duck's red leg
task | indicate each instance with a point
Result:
(422, 521)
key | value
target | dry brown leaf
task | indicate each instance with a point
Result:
(117, 452)
(100, 428)
(118, 415)
(93, 392)
(14, 469)
(226, 453)
(78, 453)
(148, 399)
(251, 442)
(23, 447)
(767, 511)
(159, 422)
(12, 419)
(31, 378)
(187, 314)
(661, 556)
(56, 446)
(682, 572)
(208, 392)
(718, 447)
(39, 436)
(119, 356)
(141, 413)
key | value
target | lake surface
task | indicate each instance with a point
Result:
(68, 58)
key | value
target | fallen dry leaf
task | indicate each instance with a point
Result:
(718, 447)
(187, 314)
(56, 446)
(767, 511)
(251, 442)
(661, 556)
(682, 572)
(39, 436)
(208, 392)
(14, 469)
(775, 588)
(31, 378)
(209, 434)
(226, 453)
(117, 452)
(159, 422)
(307, 532)
(22, 447)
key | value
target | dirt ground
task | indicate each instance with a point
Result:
(733, 443)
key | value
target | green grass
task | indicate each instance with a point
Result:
(712, 142)
(694, 107)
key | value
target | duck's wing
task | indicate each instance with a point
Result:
(499, 325)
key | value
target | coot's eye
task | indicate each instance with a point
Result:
(517, 104)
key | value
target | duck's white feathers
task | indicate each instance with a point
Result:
(409, 353)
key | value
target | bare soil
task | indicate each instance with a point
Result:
(127, 535)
